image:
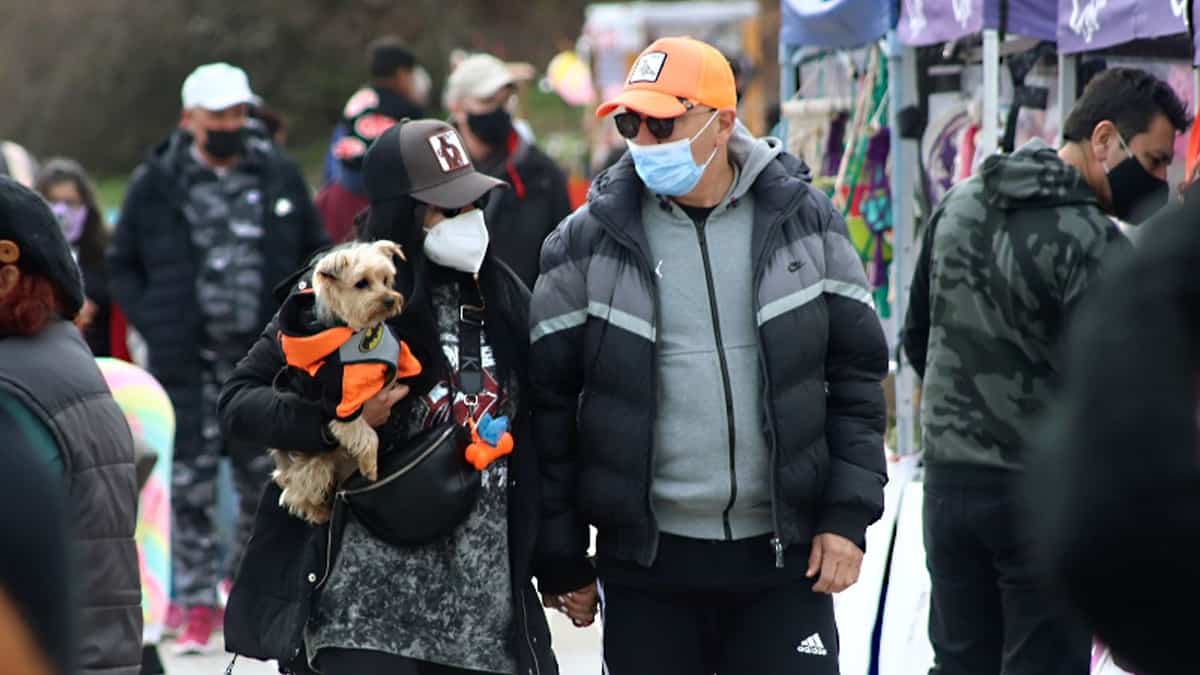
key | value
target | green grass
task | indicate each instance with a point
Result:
(111, 191)
(311, 157)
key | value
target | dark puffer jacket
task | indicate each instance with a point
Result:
(153, 264)
(55, 376)
(520, 218)
(287, 561)
(821, 349)
(1114, 477)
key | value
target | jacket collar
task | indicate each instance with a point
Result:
(166, 160)
(615, 198)
(778, 193)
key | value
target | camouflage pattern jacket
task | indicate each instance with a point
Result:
(1005, 258)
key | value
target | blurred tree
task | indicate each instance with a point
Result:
(100, 80)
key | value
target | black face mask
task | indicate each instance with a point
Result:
(1136, 193)
(492, 128)
(223, 144)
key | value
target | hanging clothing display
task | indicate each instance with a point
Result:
(862, 189)
(815, 129)
(940, 148)
(966, 153)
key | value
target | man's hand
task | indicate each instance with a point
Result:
(837, 560)
(580, 605)
(376, 411)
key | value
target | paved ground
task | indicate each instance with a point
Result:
(578, 653)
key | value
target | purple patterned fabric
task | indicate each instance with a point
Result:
(835, 144)
(1085, 25)
(927, 22)
(835, 24)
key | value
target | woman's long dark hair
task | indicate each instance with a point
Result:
(396, 219)
(94, 239)
(400, 221)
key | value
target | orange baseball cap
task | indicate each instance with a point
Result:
(671, 69)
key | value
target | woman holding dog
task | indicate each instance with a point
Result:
(463, 603)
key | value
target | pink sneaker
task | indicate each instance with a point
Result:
(197, 637)
(175, 620)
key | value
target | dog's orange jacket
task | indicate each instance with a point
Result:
(350, 367)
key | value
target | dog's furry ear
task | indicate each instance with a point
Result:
(332, 266)
(391, 248)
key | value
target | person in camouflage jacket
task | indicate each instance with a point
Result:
(1005, 259)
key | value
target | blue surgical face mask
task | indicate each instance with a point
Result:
(668, 168)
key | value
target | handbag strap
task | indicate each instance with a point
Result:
(470, 341)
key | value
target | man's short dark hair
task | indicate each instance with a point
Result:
(1129, 98)
(389, 54)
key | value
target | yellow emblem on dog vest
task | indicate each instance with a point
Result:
(371, 339)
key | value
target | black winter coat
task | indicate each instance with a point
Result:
(152, 264)
(287, 560)
(1114, 482)
(821, 349)
(520, 218)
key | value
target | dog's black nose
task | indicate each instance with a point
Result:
(389, 302)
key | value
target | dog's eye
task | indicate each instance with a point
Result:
(362, 283)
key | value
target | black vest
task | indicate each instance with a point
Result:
(55, 376)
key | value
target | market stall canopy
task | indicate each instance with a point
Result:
(623, 26)
(1090, 25)
(835, 24)
(928, 22)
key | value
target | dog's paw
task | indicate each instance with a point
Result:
(318, 514)
(368, 465)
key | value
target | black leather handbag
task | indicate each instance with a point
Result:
(426, 486)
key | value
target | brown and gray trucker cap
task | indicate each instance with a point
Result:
(427, 160)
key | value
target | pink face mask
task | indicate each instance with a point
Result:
(72, 220)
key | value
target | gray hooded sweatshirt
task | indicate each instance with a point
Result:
(711, 462)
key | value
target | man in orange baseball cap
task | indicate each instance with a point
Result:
(705, 369)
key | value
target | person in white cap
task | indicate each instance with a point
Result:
(481, 95)
(210, 225)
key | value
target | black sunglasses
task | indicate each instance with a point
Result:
(661, 128)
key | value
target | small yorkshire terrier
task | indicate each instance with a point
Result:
(336, 344)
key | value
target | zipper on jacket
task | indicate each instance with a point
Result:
(729, 421)
(648, 270)
(537, 669)
(776, 541)
(329, 545)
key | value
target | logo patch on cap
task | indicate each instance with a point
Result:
(648, 68)
(448, 148)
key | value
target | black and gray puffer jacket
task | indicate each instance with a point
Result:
(55, 376)
(595, 336)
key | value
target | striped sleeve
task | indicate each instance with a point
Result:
(558, 314)
(855, 366)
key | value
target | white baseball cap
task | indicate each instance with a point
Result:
(478, 76)
(217, 86)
